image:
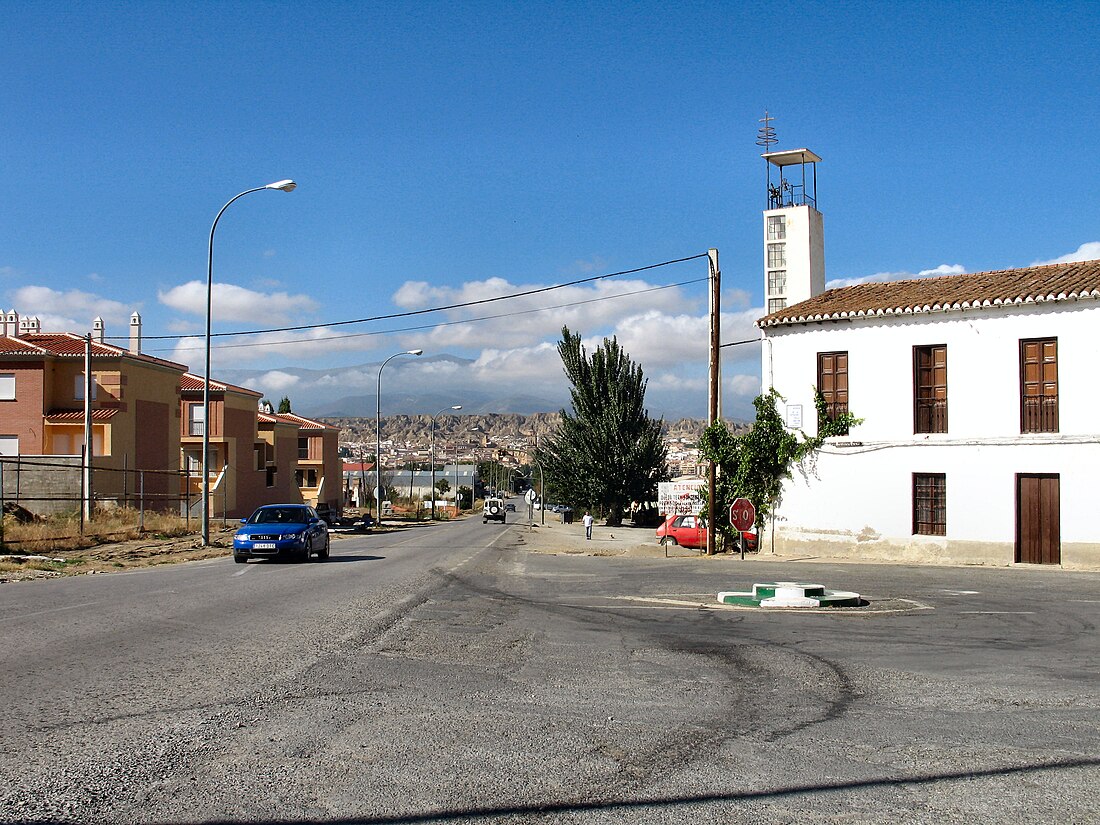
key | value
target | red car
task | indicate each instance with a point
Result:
(691, 531)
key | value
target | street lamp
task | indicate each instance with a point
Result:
(434, 417)
(284, 186)
(378, 435)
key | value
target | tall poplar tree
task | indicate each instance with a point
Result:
(608, 452)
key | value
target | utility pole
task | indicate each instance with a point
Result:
(88, 434)
(715, 370)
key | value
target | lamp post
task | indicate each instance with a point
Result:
(283, 186)
(434, 417)
(378, 436)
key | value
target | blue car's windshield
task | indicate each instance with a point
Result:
(280, 515)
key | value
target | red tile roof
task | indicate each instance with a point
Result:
(304, 423)
(195, 383)
(70, 345)
(947, 293)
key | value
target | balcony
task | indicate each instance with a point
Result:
(1039, 414)
(931, 415)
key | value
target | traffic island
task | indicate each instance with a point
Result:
(791, 594)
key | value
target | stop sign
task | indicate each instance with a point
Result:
(742, 514)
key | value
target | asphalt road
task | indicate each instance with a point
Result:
(446, 674)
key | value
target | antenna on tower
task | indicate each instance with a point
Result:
(765, 135)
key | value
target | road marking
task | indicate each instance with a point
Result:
(53, 610)
(960, 592)
(997, 612)
(242, 571)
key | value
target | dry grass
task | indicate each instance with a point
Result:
(62, 534)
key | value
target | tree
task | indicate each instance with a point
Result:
(608, 452)
(443, 486)
(284, 405)
(754, 465)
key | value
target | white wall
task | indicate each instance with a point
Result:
(856, 498)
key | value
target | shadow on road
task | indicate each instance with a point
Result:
(640, 806)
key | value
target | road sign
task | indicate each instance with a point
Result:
(531, 496)
(742, 514)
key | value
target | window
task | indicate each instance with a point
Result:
(78, 387)
(777, 282)
(776, 304)
(930, 389)
(7, 386)
(929, 504)
(270, 476)
(1039, 385)
(777, 255)
(193, 459)
(832, 383)
(303, 448)
(777, 227)
(9, 445)
(196, 419)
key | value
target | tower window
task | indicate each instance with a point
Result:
(777, 255)
(777, 227)
(777, 282)
(776, 304)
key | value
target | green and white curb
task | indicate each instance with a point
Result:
(791, 594)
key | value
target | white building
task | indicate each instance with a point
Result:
(980, 402)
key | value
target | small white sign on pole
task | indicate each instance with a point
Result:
(680, 498)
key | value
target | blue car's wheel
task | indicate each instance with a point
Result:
(239, 558)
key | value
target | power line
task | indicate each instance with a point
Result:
(411, 313)
(441, 323)
(736, 343)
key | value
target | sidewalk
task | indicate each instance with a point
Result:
(641, 542)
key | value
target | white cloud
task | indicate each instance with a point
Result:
(590, 308)
(298, 347)
(277, 381)
(879, 277)
(69, 311)
(1085, 252)
(230, 302)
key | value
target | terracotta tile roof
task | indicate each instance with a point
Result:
(947, 293)
(194, 383)
(303, 423)
(70, 345)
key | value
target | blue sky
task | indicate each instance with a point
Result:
(448, 152)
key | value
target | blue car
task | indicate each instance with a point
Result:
(281, 530)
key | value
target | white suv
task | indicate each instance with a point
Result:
(494, 509)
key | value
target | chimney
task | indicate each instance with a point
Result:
(97, 330)
(30, 326)
(135, 334)
(10, 322)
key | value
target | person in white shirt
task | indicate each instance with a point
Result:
(587, 525)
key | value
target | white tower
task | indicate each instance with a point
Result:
(135, 334)
(794, 233)
(98, 330)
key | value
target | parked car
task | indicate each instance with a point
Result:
(511, 508)
(281, 529)
(691, 531)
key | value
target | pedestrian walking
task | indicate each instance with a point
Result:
(587, 525)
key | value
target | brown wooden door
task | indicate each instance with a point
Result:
(1038, 532)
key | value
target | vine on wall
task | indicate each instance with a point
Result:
(755, 465)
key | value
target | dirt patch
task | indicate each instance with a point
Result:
(108, 558)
